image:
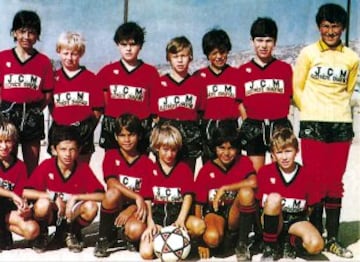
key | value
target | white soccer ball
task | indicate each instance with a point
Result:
(172, 244)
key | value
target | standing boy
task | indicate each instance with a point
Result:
(266, 91)
(26, 82)
(324, 79)
(126, 83)
(219, 84)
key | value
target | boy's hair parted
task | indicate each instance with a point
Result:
(283, 137)
(71, 40)
(223, 134)
(216, 39)
(165, 134)
(177, 44)
(130, 122)
(333, 13)
(28, 20)
(63, 133)
(8, 130)
(130, 30)
(264, 27)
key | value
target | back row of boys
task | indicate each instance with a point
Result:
(324, 78)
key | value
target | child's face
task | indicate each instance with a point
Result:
(129, 51)
(6, 147)
(218, 58)
(226, 153)
(127, 141)
(264, 47)
(285, 157)
(167, 155)
(67, 152)
(70, 58)
(180, 61)
(26, 38)
(331, 33)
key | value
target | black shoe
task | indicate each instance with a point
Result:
(73, 243)
(101, 247)
(40, 243)
(335, 247)
(6, 240)
(289, 251)
(242, 251)
(269, 253)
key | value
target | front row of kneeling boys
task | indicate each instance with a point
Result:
(227, 201)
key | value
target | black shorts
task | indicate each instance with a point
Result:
(165, 214)
(207, 128)
(327, 132)
(6, 206)
(191, 136)
(255, 135)
(86, 130)
(28, 119)
(107, 134)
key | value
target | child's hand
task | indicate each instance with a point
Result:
(219, 194)
(149, 232)
(141, 209)
(204, 252)
(123, 217)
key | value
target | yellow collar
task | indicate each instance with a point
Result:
(324, 47)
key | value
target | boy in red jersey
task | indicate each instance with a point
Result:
(178, 99)
(126, 172)
(325, 76)
(219, 84)
(285, 193)
(64, 191)
(127, 83)
(169, 194)
(76, 99)
(26, 82)
(266, 91)
(225, 196)
(15, 215)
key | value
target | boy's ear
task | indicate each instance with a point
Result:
(53, 151)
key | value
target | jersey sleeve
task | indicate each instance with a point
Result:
(200, 186)
(22, 178)
(301, 70)
(92, 183)
(37, 179)
(108, 165)
(48, 76)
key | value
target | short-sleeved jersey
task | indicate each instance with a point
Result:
(128, 92)
(297, 194)
(324, 80)
(25, 82)
(220, 92)
(266, 91)
(75, 97)
(211, 177)
(132, 175)
(170, 188)
(14, 177)
(173, 100)
(47, 177)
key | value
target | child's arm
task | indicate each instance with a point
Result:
(184, 211)
(151, 229)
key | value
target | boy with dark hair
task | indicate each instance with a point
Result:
(225, 196)
(219, 87)
(324, 79)
(127, 83)
(266, 91)
(64, 191)
(26, 82)
(286, 193)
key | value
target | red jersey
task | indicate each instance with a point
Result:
(25, 82)
(220, 93)
(47, 177)
(128, 92)
(133, 176)
(14, 177)
(181, 101)
(170, 188)
(297, 194)
(75, 97)
(266, 91)
(211, 177)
